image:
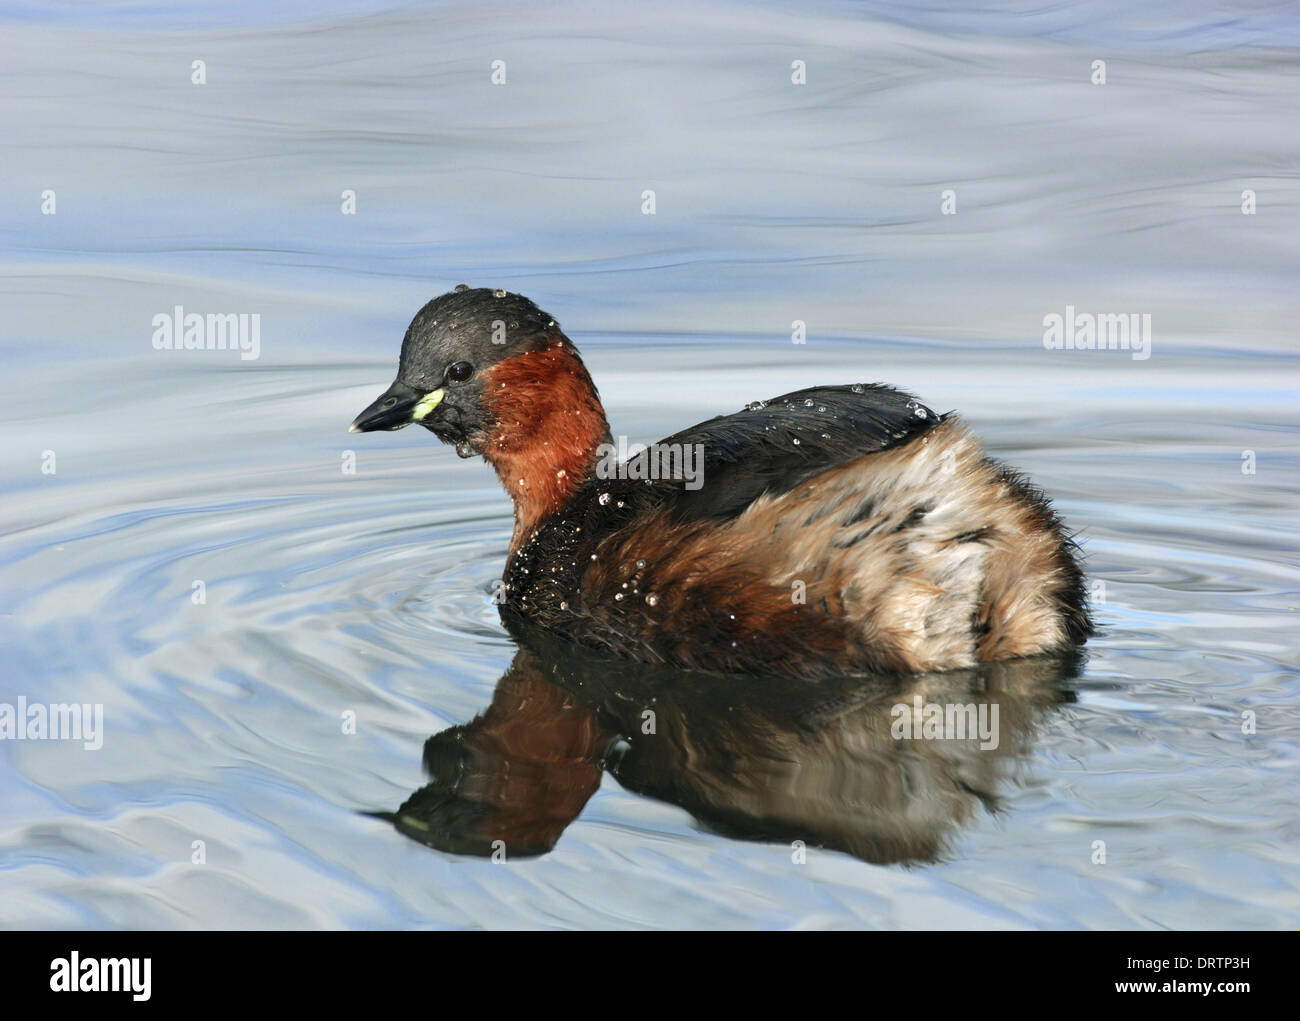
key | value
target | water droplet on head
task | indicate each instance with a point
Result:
(498, 293)
(603, 499)
(640, 565)
(808, 402)
(795, 441)
(857, 388)
(618, 597)
(651, 599)
(462, 287)
(755, 406)
(563, 605)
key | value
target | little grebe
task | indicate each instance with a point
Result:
(839, 529)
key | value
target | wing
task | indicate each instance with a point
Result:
(773, 446)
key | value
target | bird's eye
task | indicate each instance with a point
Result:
(458, 372)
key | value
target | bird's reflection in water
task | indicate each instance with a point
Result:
(754, 758)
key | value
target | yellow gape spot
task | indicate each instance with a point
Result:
(427, 404)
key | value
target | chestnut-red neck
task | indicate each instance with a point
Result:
(548, 425)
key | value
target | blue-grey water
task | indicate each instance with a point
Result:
(193, 541)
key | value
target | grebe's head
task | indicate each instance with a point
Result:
(449, 354)
(491, 373)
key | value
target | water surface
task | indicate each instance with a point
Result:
(330, 592)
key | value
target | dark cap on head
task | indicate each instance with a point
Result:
(477, 325)
(450, 345)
